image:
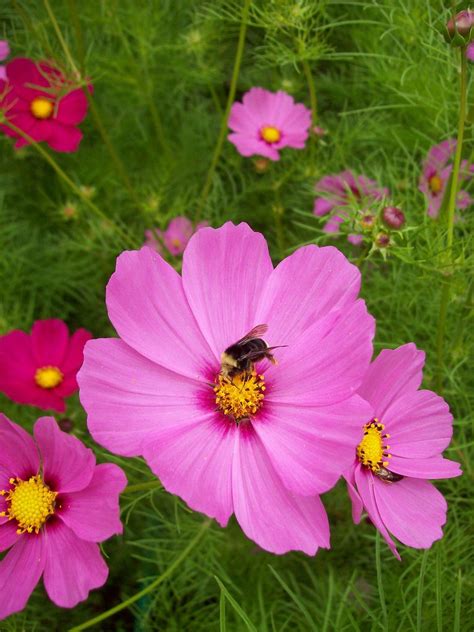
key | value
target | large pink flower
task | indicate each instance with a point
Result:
(43, 104)
(268, 121)
(265, 443)
(437, 169)
(40, 368)
(405, 438)
(175, 238)
(55, 505)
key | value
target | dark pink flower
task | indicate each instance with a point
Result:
(262, 443)
(175, 238)
(435, 176)
(4, 52)
(268, 121)
(402, 443)
(56, 504)
(42, 103)
(40, 368)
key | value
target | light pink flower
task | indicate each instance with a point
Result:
(409, 430)
(157, 391)
(175, 238)
(40, 368)
(268, 121)
(55, 505)
(4, 52)
(436, 172)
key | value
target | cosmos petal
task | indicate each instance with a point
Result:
(432, 467)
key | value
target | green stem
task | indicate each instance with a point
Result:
(230, 100)
(445, 293)
(378, 565)
(312, 91)
(60, 37)
(148, 589)
(142, 486)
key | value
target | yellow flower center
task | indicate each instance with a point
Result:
(41, 108)
(29, 502)
(435, 183)
(270, 134)
(48, 377)
(240, 396)
(371, 452)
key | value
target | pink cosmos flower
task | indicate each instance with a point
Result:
(175, 237)
(40, 101)
(436, 173)
(268, 121)
(55, 505)
(262, 443)
(402, 443)
(342, 190)
(40, 368)
(4, 52)
(470, 51)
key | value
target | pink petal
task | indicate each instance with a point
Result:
(94, 513)
(413, 510)
(49, 339)
(433, 467)
(260, 103)
(274, 518)
(128, 397)
(72, 108)
(63, 138)
(22, 70)
(250, 145)
(224, 275)
(194, 461)
(8, 534)
(322, 206)
(73, 567)
(243, 121)
(296, 121)
(4, 49)
(68, 466)
(311, 447)
(357, 504)
(3, 76)
(419, 423)
(365, 482)
(392, 373)
(326, 281)
(20, 458)
(74, 356)
(149, 310)
(20, 571)
(355, 240)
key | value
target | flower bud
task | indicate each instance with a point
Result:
(261, 165)
(368, 220)
(393, 217)
(382, 240)
(460, 28)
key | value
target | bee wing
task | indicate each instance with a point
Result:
(256, 332)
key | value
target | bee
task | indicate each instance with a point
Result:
(240, 356)
(387, 476)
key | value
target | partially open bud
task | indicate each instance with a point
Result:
(393, 217)
(460, 28)
(382, 240)
(261, 164)
(368, 220)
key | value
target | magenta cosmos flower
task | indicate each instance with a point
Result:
(42, 103)
(400, 448)
(55, 505)
(435, 176)
(4, 52)
(342, 190)
(40, 368)
(175, 238)
(264, 442)
(268, 121)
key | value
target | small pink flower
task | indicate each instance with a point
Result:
(41, 102)
(56, 504)
(436, 173)
(158, 390)
(40, 368)
(4, 52)
(400, 448)
(175, 238)
(268, 121)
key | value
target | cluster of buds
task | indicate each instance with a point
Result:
(460, 28)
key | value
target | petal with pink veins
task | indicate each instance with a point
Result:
(432, 467)
(250, 145)
(8, 534)
(20, 458)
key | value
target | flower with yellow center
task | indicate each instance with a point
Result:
(176, 243)
(48, 377)
(270, 134)
(41, 108)
(29, 502)
(241, 396)
(371, 451)
(435, 183)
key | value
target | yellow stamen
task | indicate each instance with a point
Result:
(29, 502)
(41, 108)
(270, 134)
(241, 396)
(48, 377)
(435, 183)
(371, 452)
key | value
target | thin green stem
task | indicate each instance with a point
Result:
(142, 486)
(378, 564)
(60, 37)
(445, 293)
(312, 91)
(230, 100)
(151, 587)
